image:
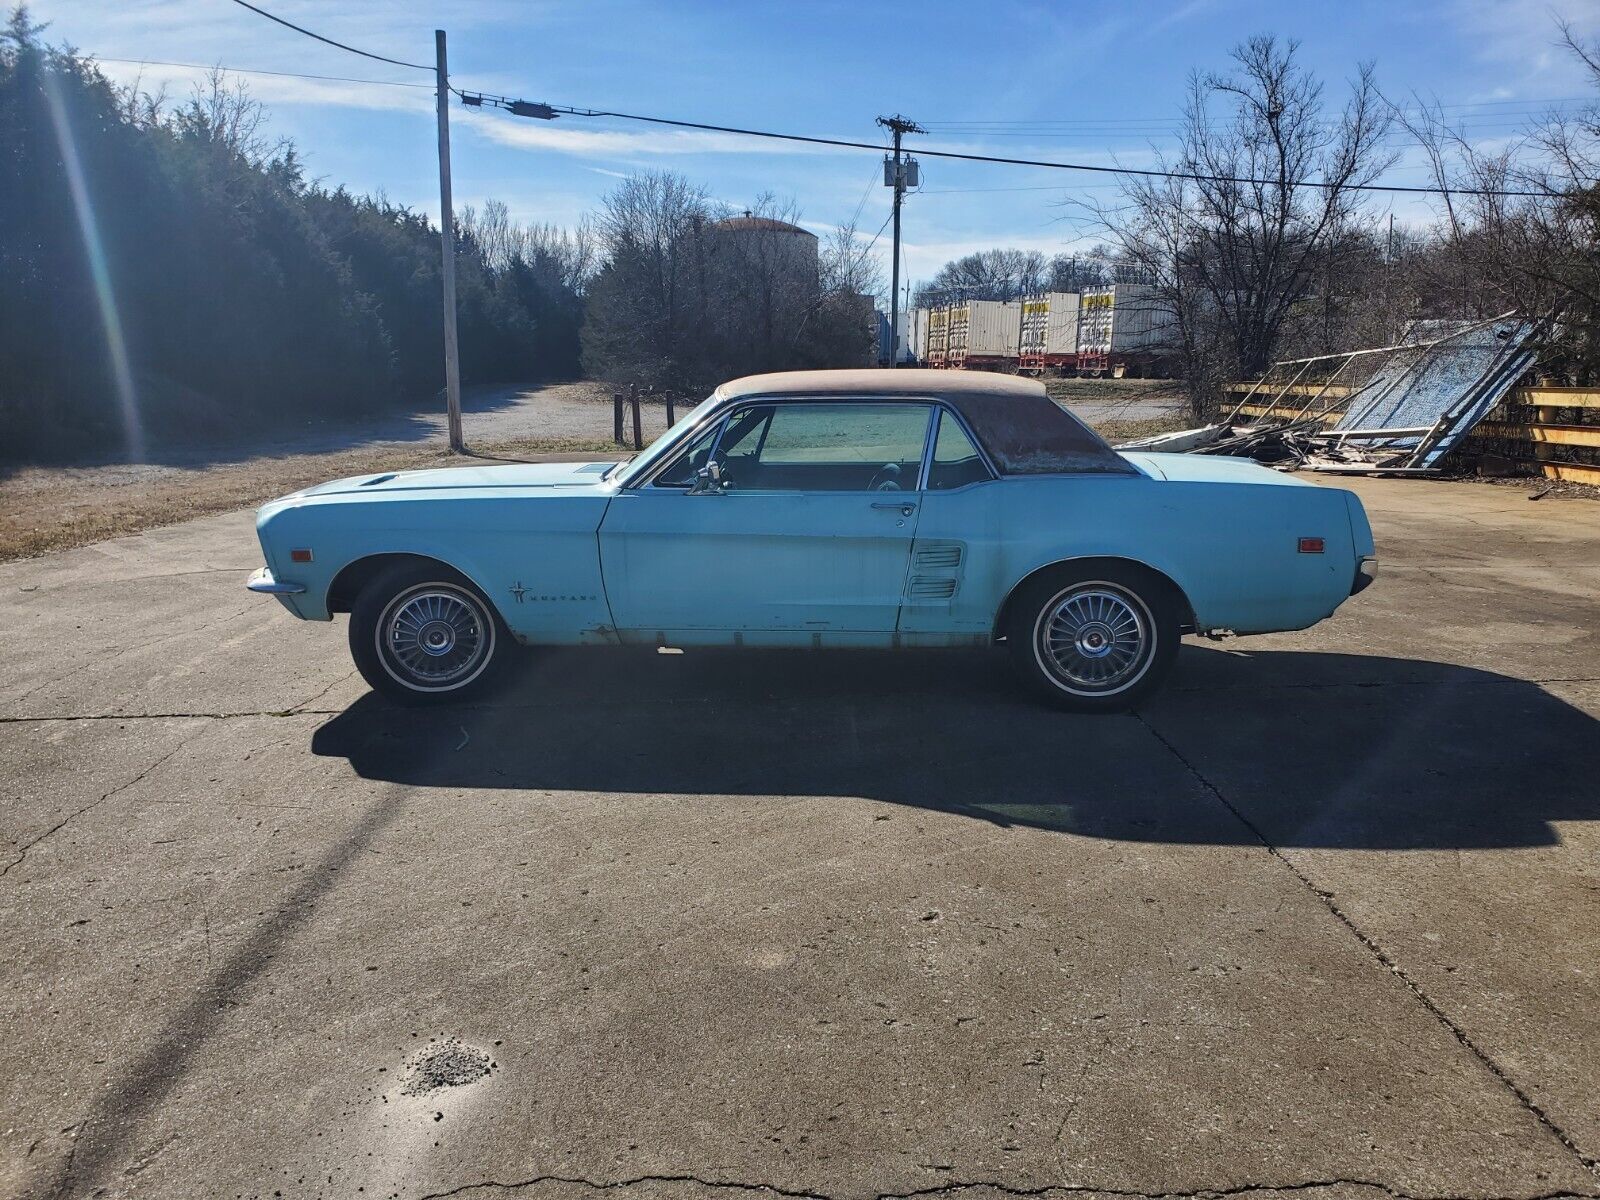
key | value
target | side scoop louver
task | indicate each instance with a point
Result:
(932, 587)
(935, 557)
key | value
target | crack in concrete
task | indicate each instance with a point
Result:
(47, 589)
(955, 1186)
(299, 710)
(1383, 957)
(22, 853)
(106, 660)
(177, 716)
(304, 705)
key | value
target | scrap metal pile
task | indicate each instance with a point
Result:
(1388, 410)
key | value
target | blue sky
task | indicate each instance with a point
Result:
(1087, 82)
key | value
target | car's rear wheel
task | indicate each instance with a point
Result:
(1097, 639)
(422, 634)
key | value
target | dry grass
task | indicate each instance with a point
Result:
(1110, 391)
(46, 509)
(1126, 431)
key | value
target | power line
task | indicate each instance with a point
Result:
(154, 62)
(843, 143)
(1146, 173)
(327, 40)
(1534, 105)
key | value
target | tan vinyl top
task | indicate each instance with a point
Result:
(868, 382)
(1024, 431)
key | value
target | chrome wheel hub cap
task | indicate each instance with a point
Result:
(1095, 638)
(435, 637)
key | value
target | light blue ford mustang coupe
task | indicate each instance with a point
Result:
(820, 510)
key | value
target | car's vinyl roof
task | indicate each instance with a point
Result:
(868, 383)
(1024, 431)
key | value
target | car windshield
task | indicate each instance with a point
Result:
(635, 467)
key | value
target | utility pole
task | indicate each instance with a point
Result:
(447, 239)
(897, 175)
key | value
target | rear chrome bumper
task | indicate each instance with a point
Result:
(262, 581)
(1366, 572)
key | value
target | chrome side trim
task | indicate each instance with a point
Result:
(263, 582)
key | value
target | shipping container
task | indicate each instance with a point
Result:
(983, 333)
(1049, 333)
(1122, 325)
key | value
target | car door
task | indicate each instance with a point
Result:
(805, 540)
(957, 558)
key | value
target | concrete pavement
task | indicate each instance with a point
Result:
(1323, 917)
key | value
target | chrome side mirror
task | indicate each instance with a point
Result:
(708, 480)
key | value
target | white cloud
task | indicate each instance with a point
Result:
(1523, 36)
(271, 90)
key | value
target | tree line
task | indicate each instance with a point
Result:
(171, 273)
(170, 270)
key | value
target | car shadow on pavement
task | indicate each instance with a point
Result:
(1300, 748)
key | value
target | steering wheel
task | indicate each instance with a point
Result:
(886, 479)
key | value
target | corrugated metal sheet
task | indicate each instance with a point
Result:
(1451, 385)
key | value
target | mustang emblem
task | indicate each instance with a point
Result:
(521, 594)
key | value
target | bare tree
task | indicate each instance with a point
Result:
(1261, 215)
(1003, 273)
(1519, 224)
(222, 111)
(689, 293)
(648, 300)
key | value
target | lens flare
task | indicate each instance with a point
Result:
(94, 251)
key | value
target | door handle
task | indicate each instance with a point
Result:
(905, 509)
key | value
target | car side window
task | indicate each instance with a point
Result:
(840, 447)
(956, 461)
(681, 472)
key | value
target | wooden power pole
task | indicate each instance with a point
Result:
(895, 174)
(447, 240)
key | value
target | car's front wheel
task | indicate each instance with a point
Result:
(421, 634)
(1096, 639)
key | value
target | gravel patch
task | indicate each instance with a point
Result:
(445, 1064)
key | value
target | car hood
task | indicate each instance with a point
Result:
(1209, 468)
(511, 475)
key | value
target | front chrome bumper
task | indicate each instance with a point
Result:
(262, 581)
